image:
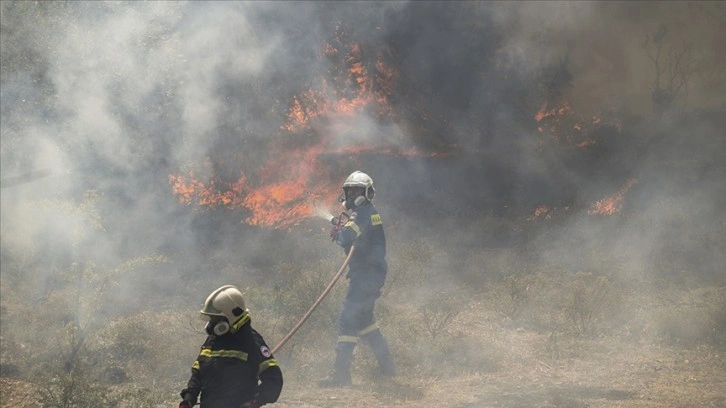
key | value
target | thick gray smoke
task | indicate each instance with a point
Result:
(113, 97)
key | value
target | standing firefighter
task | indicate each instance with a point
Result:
(366, 274)
(235, 368)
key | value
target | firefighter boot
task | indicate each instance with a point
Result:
(379, 345)
(340, 377)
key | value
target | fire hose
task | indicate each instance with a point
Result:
(317, 302)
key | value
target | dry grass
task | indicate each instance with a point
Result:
(483, 359)
(542, 336)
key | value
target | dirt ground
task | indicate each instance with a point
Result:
(644, 376)
(612, 376)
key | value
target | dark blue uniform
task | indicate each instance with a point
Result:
(367, 271)
(367, 268)
(233, 369)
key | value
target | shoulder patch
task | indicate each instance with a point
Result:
(376, 219)
(265, 351)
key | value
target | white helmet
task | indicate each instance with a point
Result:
(226, 302)
(362, 180)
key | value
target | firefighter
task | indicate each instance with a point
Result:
(366, 275)
(235, 367)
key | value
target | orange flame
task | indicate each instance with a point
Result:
(612, 204)
(190, 189)
(541, 211)
(286, 200)
(289, 187)
(348, 93)
(557, 111)
(566, 128)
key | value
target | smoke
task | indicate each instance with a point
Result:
(113, 97)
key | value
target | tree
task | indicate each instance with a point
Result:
(673, 66)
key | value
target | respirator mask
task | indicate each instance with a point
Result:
(217, 326)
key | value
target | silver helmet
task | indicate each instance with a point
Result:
(226, 302)
(361, 182)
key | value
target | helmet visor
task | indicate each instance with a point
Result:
(352, 192)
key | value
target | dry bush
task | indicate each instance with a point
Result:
(514, 294)
(679, 326)
(442, 309)
(429, 339)
(531, 301)
(558, 303)
(408, 262)
(691, 318)
(590, 298)
(59, 343)
(74, 389)
(450, 354)
(146, 396)
(281, 306)
(80, 389)
(148, 346)
(486, 265)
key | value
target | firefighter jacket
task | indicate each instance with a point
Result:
(365, 231)
(234, 368)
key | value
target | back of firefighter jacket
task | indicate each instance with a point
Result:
(234, 368)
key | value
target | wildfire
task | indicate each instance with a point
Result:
(288, 187)
(544, 212)
(567, 128)
(275, 201)
(346, 93)
(612, 204)
(554, 112)
(190, 189)
(541, 211)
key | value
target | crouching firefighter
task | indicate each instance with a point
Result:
(366, 275)
(235, 367)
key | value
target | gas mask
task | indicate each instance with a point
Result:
(217, 326)
(352, 197)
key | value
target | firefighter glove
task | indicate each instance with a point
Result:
(334, 231)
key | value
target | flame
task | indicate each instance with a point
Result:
(565, 127)
(292, 183)
(546, 212)
(612, 204)
(542, 210)
(556, 111)
(282, 198)
(191, 189)
(290, 187)
(350, 90)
